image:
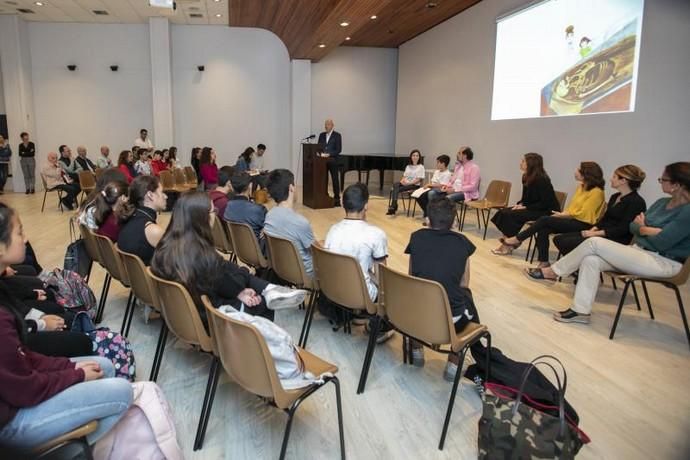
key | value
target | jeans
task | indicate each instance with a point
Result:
(106, 400)
(28, 165)
(4, 172)
(596, 255)
(433, 194)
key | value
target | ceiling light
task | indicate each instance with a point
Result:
(322, 45)
(347, 38)
(38, 3)
(344, 24)
(216, 1)
(218, 15)
(373, 16)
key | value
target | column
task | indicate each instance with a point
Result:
(161, 79)
(300, 73)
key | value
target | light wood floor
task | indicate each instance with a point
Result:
(631, 393)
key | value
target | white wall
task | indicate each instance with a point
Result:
(2, 93)
(444, 101)
(357, 88)
(93, 105)
(240, 100)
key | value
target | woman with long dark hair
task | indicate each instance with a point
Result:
(208, 168)
(196, 155)
(661, 247)
(538, 199)
(125, 163)
(411, 180)
(44, 397)
(244, 161)
(581, 214)
(186, 254)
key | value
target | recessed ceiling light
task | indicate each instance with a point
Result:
(344, 24)
(38, 3)
(373, 16)
(431, 5)
(347, 38)
(218, 15)
(216, 1)
(322, 45)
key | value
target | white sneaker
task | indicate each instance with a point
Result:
(450, 372)
(281, 297)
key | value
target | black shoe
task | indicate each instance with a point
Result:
(390, 212)
(336, 204)
(27, 191)
(67, 204)
(33, 191)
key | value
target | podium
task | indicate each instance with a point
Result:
(315, 178)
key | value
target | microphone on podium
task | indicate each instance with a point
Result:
(311, 136)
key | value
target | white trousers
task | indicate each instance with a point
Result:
(596, 255)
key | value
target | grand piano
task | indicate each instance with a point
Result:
(367, 162)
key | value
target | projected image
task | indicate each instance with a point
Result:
(567, 57)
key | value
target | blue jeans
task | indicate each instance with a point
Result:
(454, 197)
(106, 400)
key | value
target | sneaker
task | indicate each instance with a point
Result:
(150, 313)
(281, 297)
(450, 372)
(418, 357)
(384, 336)
(571, 316)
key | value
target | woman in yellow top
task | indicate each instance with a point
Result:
(581, 214)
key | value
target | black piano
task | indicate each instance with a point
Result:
(368, 162)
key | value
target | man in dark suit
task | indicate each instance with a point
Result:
(333, 145)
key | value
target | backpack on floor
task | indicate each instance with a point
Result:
(77, 259)
(147, 430)
(108, 344)
(70, 290)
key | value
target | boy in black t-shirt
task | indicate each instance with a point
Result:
(442, 255)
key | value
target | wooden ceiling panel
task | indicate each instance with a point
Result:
(305, 24)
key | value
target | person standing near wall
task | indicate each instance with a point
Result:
(27, 155)
(5, 154)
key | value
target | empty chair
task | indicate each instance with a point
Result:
(247, 246)
(496, 197)
(181, 180)
(87, 183)
(141, 283)
(221, 237)
(190, 175)
(113, 264)
(168, 183)
(245, 356)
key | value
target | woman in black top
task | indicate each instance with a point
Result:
(538, 199)
(27, 154)
(622, 209)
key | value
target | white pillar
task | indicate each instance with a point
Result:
(161, 80)
(15, 57)
(300, 72)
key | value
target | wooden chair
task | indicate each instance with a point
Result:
(52, 448)
(181, 180)
(192, 180)
(341, 280)
(419, 309)
(141, 284)
(47, 190)
(287, 263)
(561, 197)
(168, 183)
(247, 246)
(99, 172)
(113, 264)
(181, 317)
(496, 197)
(245, 356)
(221, 238)
(87, 183)
(674, 283)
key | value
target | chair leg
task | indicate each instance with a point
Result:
(620, 308)
(486, 221)
(45, 195)
(488, 358)
(286, 436)
(160, 348)
(369, 354)
(339, 405)
(637, 298)
(479, 224)
(529, 247)
(613, 283)
(405, 345)
(463, 212)
(681, 307)
(646, 298)
(414, 208)
(451, 402)
(307, 319)
(130, 305)
(209, 396)
(104, 298)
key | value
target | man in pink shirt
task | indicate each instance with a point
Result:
(464, 184)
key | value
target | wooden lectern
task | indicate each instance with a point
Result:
(315, 178)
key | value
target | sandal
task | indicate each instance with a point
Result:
(502, 251)
(536, 274)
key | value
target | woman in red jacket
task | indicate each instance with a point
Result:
(41, 397)
(125, 164)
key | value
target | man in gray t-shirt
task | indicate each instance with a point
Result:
(282, 220)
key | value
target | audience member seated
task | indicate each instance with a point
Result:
(67, 164)
(442, 255)
(208, 168)
(257, 163)
(196, 156)
(104, 161)
(125, 164)
(440, 179)
(354, 236)
(88, 208)
(244, 161)
(140, 234)
(186, 254)
(538, 200)
(107, 209)
(412, 178)
(82, 163)
(143, 165)
(622, 209)
(219, 195)
(581, 214)
(660, 247)
(157, 164)
(56, 178)
(241, 209)
(171, 160)
(282, 220)
(464, 183)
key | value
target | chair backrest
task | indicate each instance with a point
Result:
(246, 245)
(221, 240)
(180, 177)
(141, 282)
(111, 259)
(87, 181)
(561, 197)
(417, 307)
(167, 180)
(180, 313)
(243, 353)
(341, 279)
(99, 172)
(90, 243)
(45, 184)
(287, 262)
(190, 174)
(498, 192)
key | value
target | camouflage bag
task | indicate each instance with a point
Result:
(513, 426)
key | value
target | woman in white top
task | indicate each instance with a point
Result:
(412, 178)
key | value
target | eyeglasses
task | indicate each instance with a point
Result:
(663, 179)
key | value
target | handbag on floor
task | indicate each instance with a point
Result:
(511, 427)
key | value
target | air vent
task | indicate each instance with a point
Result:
(25, 10)
(100, 13)
(196, 15)
(193, 8)
(12, 3)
